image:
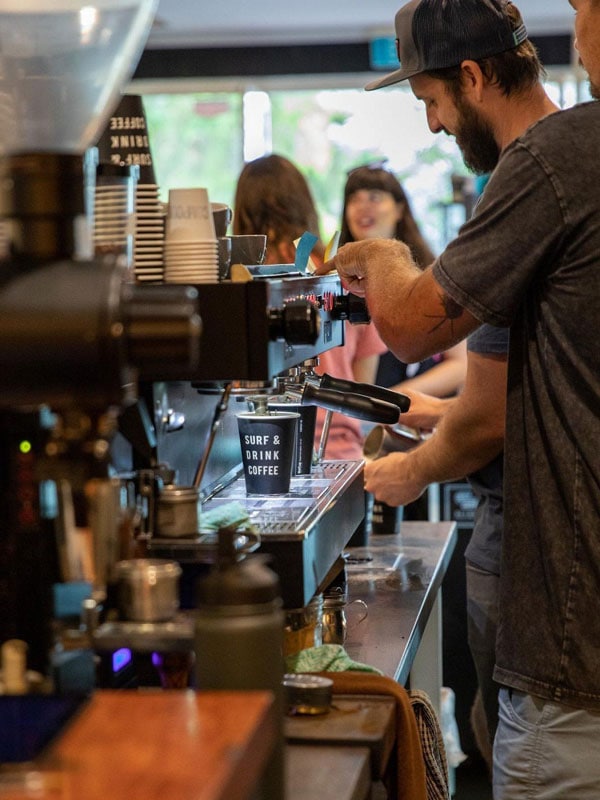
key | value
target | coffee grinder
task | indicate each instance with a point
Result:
(75, 338)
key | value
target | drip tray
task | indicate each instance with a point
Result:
(293, 515)
(304, 531)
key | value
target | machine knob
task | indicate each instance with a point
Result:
(163, 330)
(351, 307)
(297, 322)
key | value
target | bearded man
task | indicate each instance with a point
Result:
(529, 259)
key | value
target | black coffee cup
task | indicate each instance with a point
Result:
(222, 215)
(386, 519)
(267, 442)
(305, 434)
(248, 248)
(224, 256)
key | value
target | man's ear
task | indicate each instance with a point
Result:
(472, 79)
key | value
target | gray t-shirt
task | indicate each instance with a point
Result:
(485, 543)
(530, 258)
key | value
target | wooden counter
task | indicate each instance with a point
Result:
(155, 745)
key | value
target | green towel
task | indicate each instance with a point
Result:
(325, 658)
(231, 515)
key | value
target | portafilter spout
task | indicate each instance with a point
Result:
(360, 400)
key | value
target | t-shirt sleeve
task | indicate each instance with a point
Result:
(515, 231)
(488, 339)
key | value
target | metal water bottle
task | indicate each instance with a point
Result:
(239, 639)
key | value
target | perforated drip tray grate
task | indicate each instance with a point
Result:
(294, 514)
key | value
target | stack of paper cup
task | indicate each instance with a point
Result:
(149, 234)
(191, 254)
(114, 204)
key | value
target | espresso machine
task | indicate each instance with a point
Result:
(275, 343)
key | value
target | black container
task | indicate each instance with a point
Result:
(238, 641)
(360, 537)
(386, 519)
(305, 434)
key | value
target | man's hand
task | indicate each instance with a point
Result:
(412, 313)
(371, 262)
(425, 410)
(390, 479)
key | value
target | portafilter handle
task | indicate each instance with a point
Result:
(367, 389)
(352, 405)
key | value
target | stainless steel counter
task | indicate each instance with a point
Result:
(401, 584)
(401, 634)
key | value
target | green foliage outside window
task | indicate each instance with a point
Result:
(197, 139)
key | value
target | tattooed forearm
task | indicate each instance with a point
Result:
(452, 311)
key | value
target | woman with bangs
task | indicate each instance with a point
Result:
(376, 207)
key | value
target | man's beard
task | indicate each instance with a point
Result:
(476, 140)
(595, 90)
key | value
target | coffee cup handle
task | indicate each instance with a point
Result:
(252, 543)
(360, 617)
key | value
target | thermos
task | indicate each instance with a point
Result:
(239, 638)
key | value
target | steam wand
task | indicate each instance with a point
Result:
(219, 411)
(324, 436)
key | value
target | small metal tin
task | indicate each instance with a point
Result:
(148, 589)
(177, 512)
(307, 694)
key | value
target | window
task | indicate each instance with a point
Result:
(203, 139)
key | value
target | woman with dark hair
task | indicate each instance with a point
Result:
(399, 223)
(273, 197)
(376, 207)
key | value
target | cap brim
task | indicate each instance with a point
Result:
(391, 78)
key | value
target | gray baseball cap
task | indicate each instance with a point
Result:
(435, 34)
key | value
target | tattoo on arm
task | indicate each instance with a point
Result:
(452, 311)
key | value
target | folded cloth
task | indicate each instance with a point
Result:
(230, 515)
(432, 745)
(405, 774)
(325, 657)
